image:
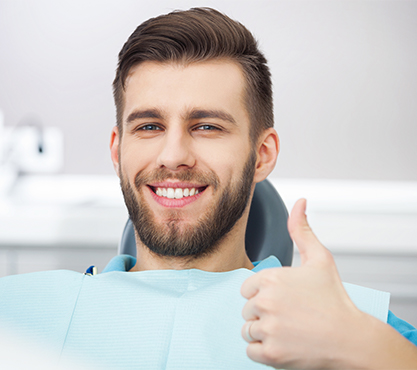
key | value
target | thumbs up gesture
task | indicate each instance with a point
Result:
(302, 317)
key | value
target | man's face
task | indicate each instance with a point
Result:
(184, 158)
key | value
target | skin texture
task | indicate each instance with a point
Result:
(166, 127)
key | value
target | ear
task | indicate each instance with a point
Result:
(114, 148)
(267, 154)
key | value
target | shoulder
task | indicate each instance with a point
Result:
(121, 262)
(269, 262)
(38, 290)
(403, 327)
(43, 278)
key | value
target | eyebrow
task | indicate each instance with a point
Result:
(194, 114)
(147, 113)
(203, 113)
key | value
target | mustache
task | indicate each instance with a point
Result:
(190, 175)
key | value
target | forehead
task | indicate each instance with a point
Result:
(174, 88)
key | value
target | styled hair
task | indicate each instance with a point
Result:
(195, 35)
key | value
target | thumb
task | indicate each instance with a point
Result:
(308, 245)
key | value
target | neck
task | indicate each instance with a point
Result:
(229, 255)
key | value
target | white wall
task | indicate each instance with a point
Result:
(344, 72)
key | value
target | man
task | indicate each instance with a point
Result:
(194, 135)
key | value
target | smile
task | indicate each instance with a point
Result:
(176, 193)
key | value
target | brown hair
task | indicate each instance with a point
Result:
(200, 34)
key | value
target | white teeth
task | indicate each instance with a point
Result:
(176, 193)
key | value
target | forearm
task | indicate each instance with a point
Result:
(376, 345)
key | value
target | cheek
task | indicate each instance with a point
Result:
(135, 158)
(227, 162)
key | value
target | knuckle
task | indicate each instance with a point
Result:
(325, 259)
(258, 330)
(262, 304)
(271, 353)
(265, 281)
(245, 313)
(269, 277)
(246, 287)
(327, 254)
(328, 257)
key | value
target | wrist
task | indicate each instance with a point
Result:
(373, 344)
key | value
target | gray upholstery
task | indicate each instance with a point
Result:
(266, 233)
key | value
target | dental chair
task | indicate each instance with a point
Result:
(266, 232)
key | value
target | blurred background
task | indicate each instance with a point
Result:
(345, 85)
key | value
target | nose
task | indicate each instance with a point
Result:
(176, 152)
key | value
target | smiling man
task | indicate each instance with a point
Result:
(194, 135)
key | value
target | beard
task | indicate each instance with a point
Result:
(202, 238)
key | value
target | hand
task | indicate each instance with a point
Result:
(301, 317)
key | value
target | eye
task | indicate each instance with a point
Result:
(207, 128)
(149, 127)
